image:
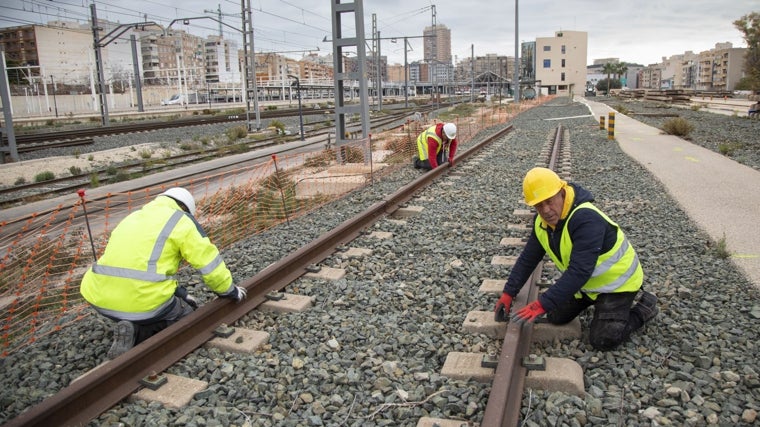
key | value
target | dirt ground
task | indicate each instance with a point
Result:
(12, 173)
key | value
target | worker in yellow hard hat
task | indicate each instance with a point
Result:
(436, 145)
(134, 282)
(599, 266)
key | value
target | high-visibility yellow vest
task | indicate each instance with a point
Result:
(617, 270)
(134, 278)
(422, 145)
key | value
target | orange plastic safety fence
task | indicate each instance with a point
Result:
(43, 257)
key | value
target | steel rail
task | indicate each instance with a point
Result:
(111, 382)
(505, 399)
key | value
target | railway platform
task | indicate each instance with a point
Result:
(719, 194)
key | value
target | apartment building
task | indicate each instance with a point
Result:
(437, 44)
(720, 68)
(64, 51)
(560, 62)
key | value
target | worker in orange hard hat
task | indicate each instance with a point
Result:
(599, 266)
(436, 145)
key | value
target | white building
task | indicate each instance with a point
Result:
(560, 62)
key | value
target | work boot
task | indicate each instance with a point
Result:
(647, 306)
(123, 338)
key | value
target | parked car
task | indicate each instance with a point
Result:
(174, 100)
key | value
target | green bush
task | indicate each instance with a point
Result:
(75, 170)
(20, 181)
(44, 176)
(236, 133)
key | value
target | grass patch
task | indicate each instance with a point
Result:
(44, 176)
(677, 126)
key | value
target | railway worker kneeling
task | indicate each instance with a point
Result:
(599, 266)
(436, 145)
(133, 282)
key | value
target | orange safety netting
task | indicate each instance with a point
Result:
(44, 255)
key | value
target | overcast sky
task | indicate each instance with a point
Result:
(641, 31)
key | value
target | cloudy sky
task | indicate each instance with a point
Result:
(640, 31)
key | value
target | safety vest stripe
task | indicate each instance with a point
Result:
(163, 236)
(129, 273)
(612, 260)
(208, 268)
(151, 274)
(620, 281)
(125, 315)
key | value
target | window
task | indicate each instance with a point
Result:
(563, 49)
(547, 63)
(547, 48)
(563, 63)
(562, 77)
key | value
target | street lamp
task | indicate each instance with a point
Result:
(298, 94)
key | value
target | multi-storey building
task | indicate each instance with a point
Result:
(437, 44)
(720, 68)
(650, 77)
(64, 50)
(560, 62)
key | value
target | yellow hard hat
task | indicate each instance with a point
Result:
(540, 184)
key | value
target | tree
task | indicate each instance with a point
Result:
(620, 71)
(608, 68)
(750, 26)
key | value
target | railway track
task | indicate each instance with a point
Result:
(40, 141)
(110, 383)
(387, 312)
(18, 194)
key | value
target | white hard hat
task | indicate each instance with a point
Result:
(450, 129)
(181, 195)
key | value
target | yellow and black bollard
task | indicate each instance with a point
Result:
(611, 126)
(601, 122)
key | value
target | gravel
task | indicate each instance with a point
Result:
(370, 352)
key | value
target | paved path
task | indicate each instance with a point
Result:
(719, 194)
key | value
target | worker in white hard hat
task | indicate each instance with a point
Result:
(134, 283)
(599, 266)
(436, 145)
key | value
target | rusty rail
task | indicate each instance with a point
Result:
(505, 400)
(111, 382)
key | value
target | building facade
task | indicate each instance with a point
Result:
(560, 62)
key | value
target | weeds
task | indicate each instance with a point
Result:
(677, 126)
(44, 176)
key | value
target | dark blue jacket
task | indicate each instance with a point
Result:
(591, 235)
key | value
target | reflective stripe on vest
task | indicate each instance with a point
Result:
(617, 270)
(151, 273)
(133, 317)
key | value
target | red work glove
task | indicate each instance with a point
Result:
(528, 313)
(501, 310)
(451, 161)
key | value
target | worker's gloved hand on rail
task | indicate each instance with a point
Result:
(451, 162)
(182, 293)
(528, 313)
(238, 293)
(501, 310)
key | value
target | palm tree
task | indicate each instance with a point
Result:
(608, 68)
(620, 71)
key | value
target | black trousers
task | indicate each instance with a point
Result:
(425, 164)
(145, 329)
(614, 319)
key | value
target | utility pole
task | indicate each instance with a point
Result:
(517, 60)
(99, 66)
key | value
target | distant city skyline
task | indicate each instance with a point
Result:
(635, 32)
